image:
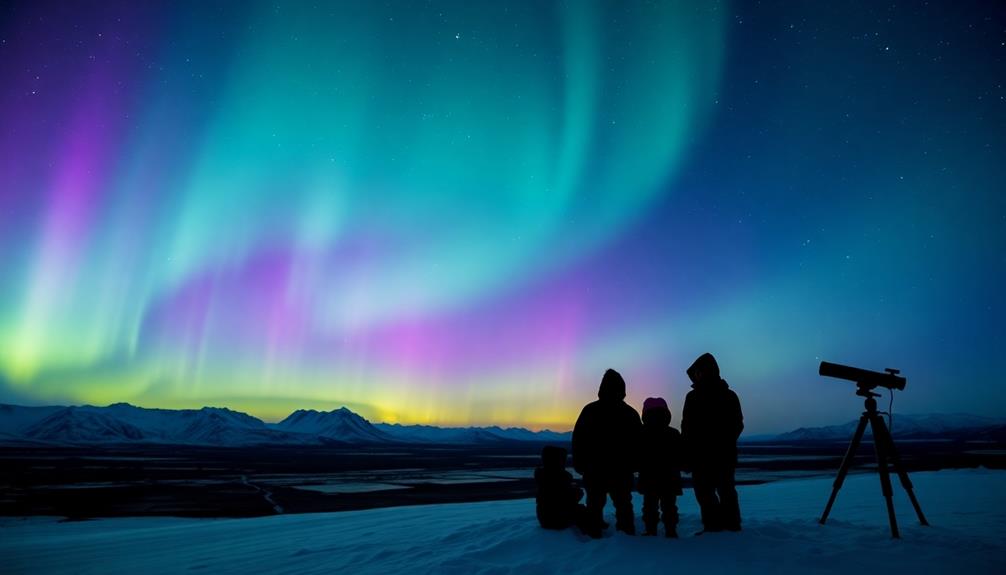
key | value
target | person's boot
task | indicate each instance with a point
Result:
(625, 521)
(671, 531)
(651, 530)
(592, 525)
(732, 519)
(627, 528)
(590, 528)
(714, 528)
(711, 521)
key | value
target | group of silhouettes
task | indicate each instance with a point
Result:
(611, 443)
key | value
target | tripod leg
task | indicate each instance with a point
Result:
(850, 454)
(899, 468)
(885, 478)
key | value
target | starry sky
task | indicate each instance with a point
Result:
(458, 212)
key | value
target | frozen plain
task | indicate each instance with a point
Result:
(967, 510)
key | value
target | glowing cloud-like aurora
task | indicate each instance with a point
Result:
(299, 206)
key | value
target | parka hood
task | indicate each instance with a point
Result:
(553, 457)
(706, 364)
(659, 416)
(612, 386)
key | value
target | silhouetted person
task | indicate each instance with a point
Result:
(558, 498)
(605, 440)
(711, 422)
(660, 457)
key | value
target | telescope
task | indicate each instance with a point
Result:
(883, 443)
(864, 378)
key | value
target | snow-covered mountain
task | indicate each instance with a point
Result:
(15, 419)
(208, 426)
(80, 424)
(927, 426)
(168, 422)
(339, 424)
(215, 426)
(467, 435)
(124, 423)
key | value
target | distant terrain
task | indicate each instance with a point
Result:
(781, 536)
(907, 426)
(122, 423)
(122, 460)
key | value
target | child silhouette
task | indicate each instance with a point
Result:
(659, 468)
(558, 498)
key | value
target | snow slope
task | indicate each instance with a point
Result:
(967, 509)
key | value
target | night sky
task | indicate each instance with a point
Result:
(463, 212)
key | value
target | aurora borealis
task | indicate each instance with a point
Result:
(463, 212)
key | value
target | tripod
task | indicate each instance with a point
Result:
(884, 445)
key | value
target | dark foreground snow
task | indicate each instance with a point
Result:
(966, 508)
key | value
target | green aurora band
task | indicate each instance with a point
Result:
(258, 221)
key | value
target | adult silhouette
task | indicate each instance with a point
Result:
(605, 442)
(711, 422)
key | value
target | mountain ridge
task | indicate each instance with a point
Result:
(907, 426)
(119, 423)
(219, 426)
(341, 424)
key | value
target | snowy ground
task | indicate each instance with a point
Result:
(966, 508)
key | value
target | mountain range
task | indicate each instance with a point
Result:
(124, 423)
(910, 426)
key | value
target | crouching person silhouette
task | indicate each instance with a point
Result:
(558, 498)
(605, 440)
(711, 422)
(659, 468)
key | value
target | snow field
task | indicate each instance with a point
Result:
(967, 510)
